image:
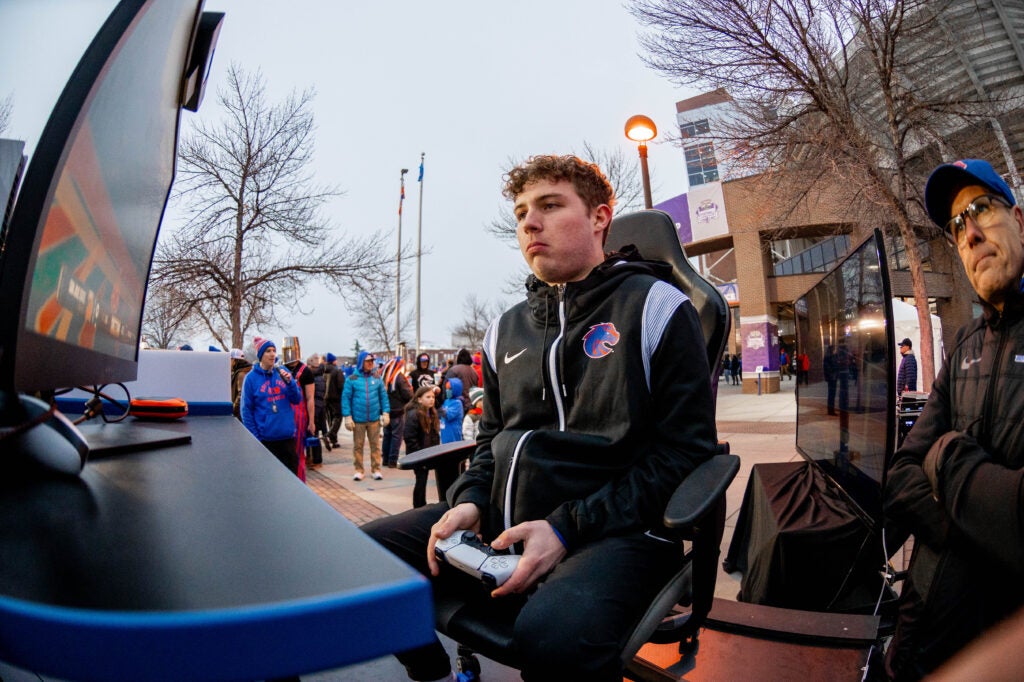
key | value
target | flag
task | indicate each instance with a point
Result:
(420, 178)
(401, 198)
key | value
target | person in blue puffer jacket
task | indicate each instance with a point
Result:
(364, 406)
(451, 411)
(268, 394)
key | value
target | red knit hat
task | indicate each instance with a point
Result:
(262, 345)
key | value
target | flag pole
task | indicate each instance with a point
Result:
(419, 255)
(398, 264)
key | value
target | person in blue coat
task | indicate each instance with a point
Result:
(268, 394)
(451, 411)
(364, 406)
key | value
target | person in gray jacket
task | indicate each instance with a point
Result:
(597, 403)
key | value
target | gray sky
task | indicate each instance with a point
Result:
(469, 83)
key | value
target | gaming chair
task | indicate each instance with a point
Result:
(695, 513)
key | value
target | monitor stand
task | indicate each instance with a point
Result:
(106, 439)
(52, 444)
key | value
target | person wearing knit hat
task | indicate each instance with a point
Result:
(268, 394)
(471, 423)
(399, 394)
(335, 379)
(956, 481)
(263, 345)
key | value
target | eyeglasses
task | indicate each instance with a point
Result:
(980, 211)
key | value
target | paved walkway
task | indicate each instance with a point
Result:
(759, 428)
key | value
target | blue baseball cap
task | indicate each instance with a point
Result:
(938, 193)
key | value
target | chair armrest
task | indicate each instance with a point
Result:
(438, 455)
(700, 491)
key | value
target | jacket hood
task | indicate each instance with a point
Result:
(456, 385)
(601, 281)
(363, 354)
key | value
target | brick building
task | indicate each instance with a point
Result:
(764, 249)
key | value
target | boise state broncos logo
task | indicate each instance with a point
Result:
(598, 342)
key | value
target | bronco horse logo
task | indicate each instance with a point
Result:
(598, 342)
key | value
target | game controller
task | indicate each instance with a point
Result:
(466, 552)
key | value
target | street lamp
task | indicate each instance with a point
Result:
(640, 128)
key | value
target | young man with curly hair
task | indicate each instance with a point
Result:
(597, 403)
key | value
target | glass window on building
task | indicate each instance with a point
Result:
(701, 166)
(897, 253)
(803, 255)
(694, 129)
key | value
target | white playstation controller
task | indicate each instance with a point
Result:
(466, 552)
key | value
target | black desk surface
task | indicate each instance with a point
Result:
(200, 561)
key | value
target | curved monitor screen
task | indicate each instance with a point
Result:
(85, 225)
(845, 404)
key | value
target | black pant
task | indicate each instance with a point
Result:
(333, 421)
(419, 490)
(574, 626)
(285, 452)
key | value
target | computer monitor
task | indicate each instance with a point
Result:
(846, 408)
(78, 248)
(76, 253)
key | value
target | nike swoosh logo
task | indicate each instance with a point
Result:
(510, 358)
(966, 364)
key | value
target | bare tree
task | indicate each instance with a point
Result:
(623, 173)
(842, 92)
(373, 305)
(168, 321)
(254, 235)
(478, 316)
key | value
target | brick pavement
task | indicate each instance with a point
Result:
(351, 506)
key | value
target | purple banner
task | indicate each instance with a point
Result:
(760, 346)
(679, 208)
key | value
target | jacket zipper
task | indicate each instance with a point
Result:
(556, 379)
(509, 483)
(555, 383)
(366, 385)
(990, 393)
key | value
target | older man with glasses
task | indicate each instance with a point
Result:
(957, 483)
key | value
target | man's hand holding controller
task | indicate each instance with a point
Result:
(468, 553)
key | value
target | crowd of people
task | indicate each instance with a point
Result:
(296, 409)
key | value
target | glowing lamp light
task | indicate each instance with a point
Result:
(640, 128)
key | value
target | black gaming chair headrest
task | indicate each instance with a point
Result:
(654, 235)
